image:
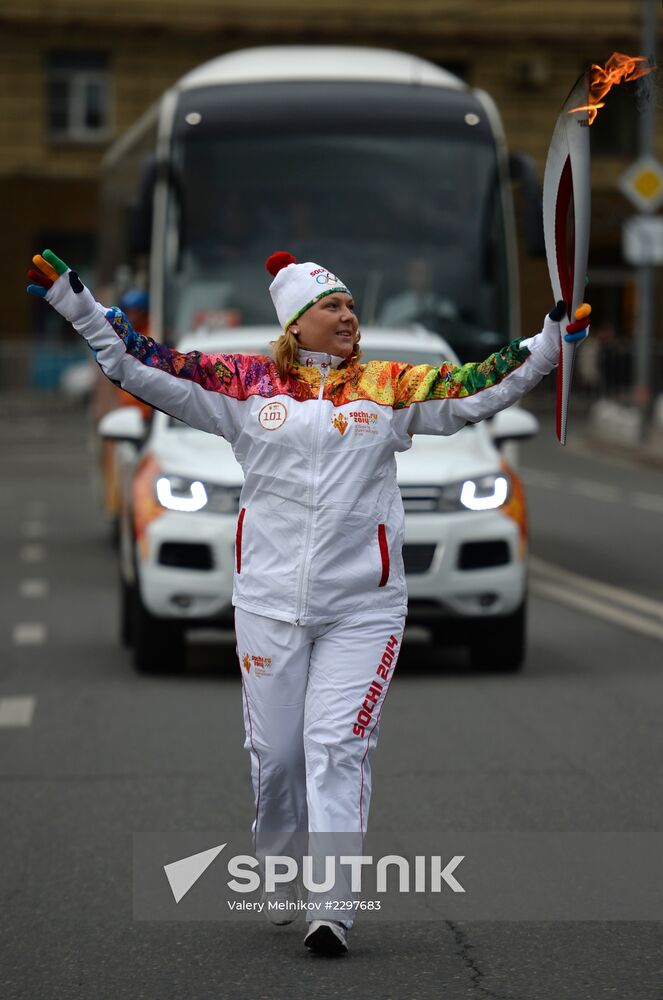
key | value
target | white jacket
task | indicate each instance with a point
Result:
(320, 530)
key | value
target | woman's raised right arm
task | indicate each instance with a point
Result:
(203, 390)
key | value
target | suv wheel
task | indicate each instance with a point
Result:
(158, 644)
(127, 602)
(500, 643)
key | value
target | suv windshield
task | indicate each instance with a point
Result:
(412, 223)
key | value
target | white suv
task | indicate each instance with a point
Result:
(465, 550)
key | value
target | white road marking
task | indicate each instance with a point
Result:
(600, 599)
(33, 588)
(648, 501)
(34, 529)
(545, 480)
(594, 606)
(16, 710)
(607, 591)
(593, 490)
(596, 491)
(32, 553)
(29, 634)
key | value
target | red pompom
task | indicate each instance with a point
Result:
(279, 260)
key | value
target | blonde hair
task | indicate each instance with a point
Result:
(284, 351)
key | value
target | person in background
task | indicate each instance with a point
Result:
(135, 303)
(419, 303)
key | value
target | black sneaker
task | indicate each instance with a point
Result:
(327, 937)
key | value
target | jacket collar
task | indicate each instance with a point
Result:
(316, 359)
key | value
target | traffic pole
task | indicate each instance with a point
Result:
(643, 390)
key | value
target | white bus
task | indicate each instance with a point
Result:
(382, 166)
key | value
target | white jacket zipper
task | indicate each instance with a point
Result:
(311, 507)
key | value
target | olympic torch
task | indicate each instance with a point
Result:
(566, 221)
(567, 207)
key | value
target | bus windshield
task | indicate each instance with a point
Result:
(412, 223)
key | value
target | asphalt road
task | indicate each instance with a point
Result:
(91, 753)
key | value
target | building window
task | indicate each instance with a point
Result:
(78, 96)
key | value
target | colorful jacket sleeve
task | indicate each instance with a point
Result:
(441, 400)
(200, 389)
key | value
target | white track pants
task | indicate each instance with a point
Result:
(312, 699)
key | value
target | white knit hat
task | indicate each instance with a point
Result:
(296, 287)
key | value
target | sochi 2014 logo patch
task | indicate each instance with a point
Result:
(364, 421)
(272, 416)
(340, 423)
(262, 665)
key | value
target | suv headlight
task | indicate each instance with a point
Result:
(481, 493)
(180, 493)
(177, 493)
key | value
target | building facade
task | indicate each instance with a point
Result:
(75, 76)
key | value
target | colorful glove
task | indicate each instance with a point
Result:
(577, 330)
(62, 288)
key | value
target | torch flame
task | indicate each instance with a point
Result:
(619, 68)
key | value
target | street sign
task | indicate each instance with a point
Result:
(642, 240)
(642, 183)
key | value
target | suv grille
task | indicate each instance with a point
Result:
(420, 499)
(481, 555)
(222, 499)
(418, 558)
(186, 555)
